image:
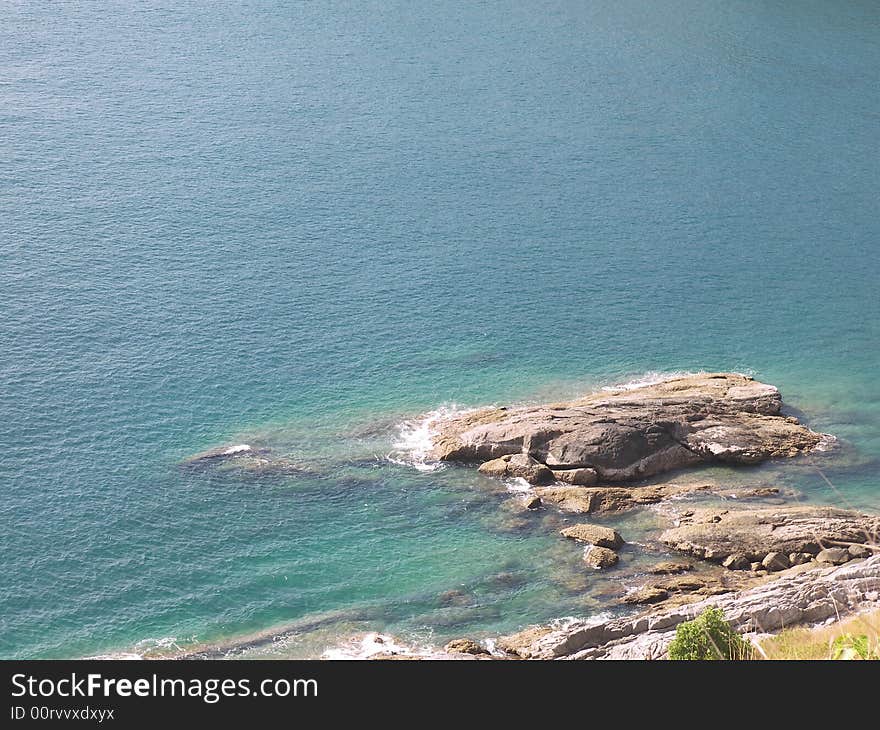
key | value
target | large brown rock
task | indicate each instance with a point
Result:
(754, 533)
(595, 535)
(773, 562)
(599, 557)
(577, 477)
(465, 646)
(834, 556)
(633, 433)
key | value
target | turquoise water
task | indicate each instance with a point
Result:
(299, 225)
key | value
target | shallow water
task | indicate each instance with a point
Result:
(300, 226)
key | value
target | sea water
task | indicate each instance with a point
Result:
(305, 226)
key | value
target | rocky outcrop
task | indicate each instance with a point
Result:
(634, 433)
(737, 537)
(595, 535)
(792, 599)
(591, 500)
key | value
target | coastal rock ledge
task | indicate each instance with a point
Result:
(629, 434)
(803, 598)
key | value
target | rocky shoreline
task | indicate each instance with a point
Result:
(765, 561)
(781, 565)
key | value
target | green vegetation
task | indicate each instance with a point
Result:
(709, 636)
(857, 637)
(854, 647)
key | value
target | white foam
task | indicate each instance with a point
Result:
(241, 448)
(652, 377)
(415, 438)
(518, 485)
(367, 646)
(143, 649)
(564, 623)
(827, 442)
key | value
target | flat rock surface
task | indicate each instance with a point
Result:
(629, 434)
(716, 534)
(595, 535)
(587, 500)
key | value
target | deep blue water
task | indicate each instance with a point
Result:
(299, 224)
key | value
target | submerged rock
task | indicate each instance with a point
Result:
(629, 434)
(256, 461)
(222, 453)
(595, 535)
(533, 502)
(755, 533)
(648, 594)
(670, 567)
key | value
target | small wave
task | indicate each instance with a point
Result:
(518, 485)
(564, 623)
(239, 449)
(415, 439)
(145, 649)
(652, 377)
(370, 645)
(827, 442)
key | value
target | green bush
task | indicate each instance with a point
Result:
(849, 646)
(708, 636)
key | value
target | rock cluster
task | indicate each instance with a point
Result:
(256, 460)
(791, 599)
(774, 539)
